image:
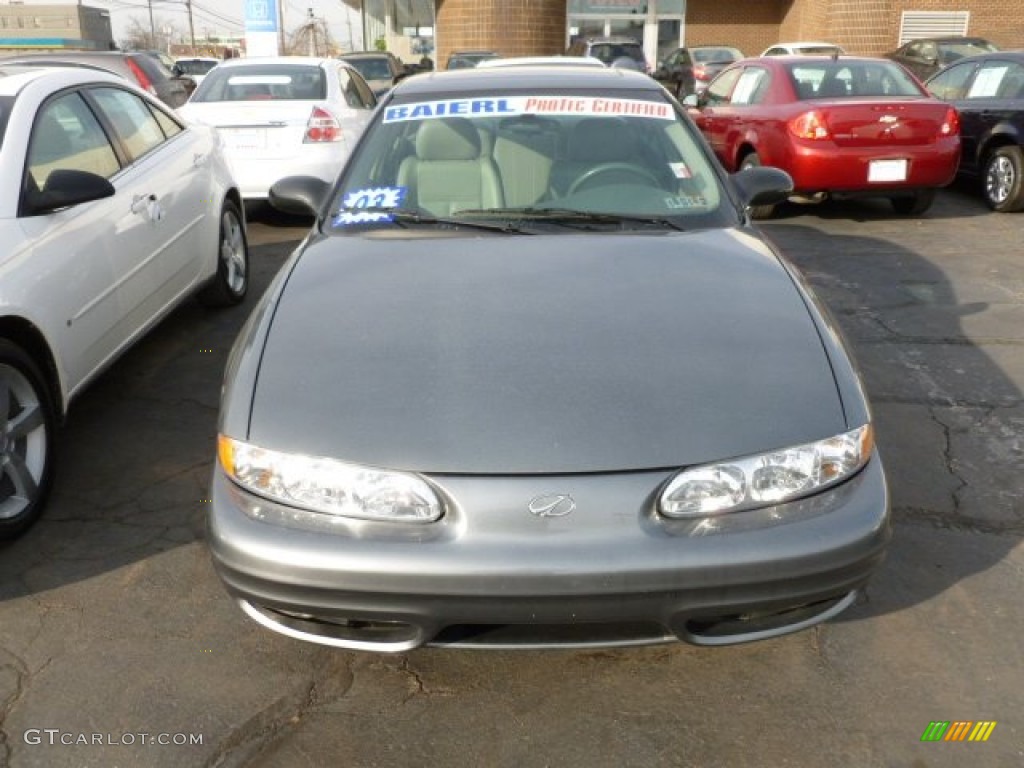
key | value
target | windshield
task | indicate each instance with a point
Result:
(195, 66)
(263, 82)
(543, 157)
(841, 79)
(372, 69)
(950, 52)
(716, 55)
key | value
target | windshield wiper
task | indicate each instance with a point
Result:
(570, 216)
(406, 216)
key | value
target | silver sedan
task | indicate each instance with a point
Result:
(534, 380)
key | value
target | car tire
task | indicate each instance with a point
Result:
(27, 441)
(753, 160)
(1003, 179)
(230, 284)
(914, 205)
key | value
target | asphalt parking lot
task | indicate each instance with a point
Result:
(118, 646)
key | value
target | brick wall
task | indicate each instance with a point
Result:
(750, 26)
(510, 27)
(866, 27)
(1001, 21)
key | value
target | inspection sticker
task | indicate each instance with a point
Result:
(530, 105)
(372, 198)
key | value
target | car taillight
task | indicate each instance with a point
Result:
(322, 127)
(951, 125)
(809, 125)
(141, 77)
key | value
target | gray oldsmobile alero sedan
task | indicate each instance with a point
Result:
(533, 380)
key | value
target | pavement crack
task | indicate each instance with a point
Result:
(950, 461)
(419, 688)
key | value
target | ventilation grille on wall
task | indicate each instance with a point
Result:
(915, 24)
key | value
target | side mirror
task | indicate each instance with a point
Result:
(299, 195)
(762, 185)
(65, 188)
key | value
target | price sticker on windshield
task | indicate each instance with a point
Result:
(368, 205)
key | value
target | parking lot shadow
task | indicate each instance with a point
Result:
(933, 315)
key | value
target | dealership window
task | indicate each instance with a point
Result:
(657, 24)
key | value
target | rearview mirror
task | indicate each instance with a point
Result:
(65, 188)
(762, 185)
(300, 195)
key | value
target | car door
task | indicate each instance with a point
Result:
(713, 115)
(93, 247)
(991, 105)
(167, 174)
(951, 85)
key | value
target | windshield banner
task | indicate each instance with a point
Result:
(529, 105)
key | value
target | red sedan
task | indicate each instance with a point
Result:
(844, 126)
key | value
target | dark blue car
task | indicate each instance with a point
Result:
(988, 92)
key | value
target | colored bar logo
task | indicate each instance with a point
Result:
(958, 730)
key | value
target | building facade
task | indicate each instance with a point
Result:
(54, 27)
(542, 27)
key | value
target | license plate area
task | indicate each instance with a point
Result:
(881, 171)
(245, 139)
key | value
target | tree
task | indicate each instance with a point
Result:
(139, 34)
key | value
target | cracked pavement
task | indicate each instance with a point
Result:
(113, 624)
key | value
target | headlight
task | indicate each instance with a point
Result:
(327, 485)
(766, 479)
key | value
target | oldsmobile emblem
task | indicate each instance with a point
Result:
(552, 505)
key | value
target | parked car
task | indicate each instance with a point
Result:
(380, 69)
(283, 115)
(807, 48)
(468, 59)
(112, 212)
(847, 127)
(689, 70)
(195, 67)
(619, 52)
(139, 67)
(474, 411)
(988, 93)
(926, 56)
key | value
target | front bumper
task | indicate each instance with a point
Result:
(611, 573)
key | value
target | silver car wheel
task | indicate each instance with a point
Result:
(999, 179)
(233, 251)
(23, 443)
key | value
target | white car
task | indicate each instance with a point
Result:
(283, 116)
(805, 48)
(112, 212)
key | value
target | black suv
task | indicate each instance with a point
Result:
(624, 52)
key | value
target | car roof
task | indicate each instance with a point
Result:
(249, 61)
(367, 55)
(14, 77)
(197, 58)
(477, 80)
(534, 61)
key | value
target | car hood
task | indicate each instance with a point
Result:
(541, 354)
